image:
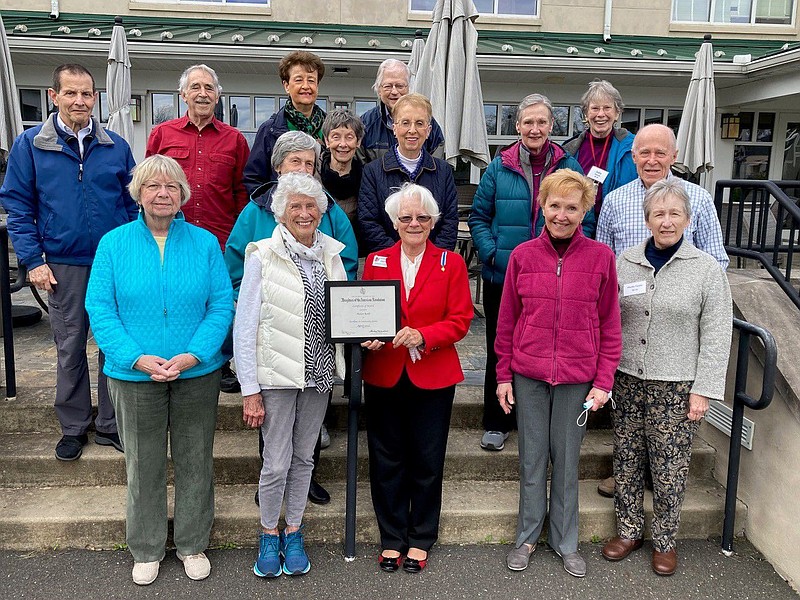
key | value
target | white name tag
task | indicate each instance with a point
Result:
(633, 289)
(379, 261)
(597, 174)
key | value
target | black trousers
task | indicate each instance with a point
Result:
(494, 419)
(407, 430)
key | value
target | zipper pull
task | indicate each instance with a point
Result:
(558, 269)
(165, 312)
(80, 172)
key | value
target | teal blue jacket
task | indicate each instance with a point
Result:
(138, 305)
(502, 209)
(257, 221)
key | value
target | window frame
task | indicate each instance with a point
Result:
(712, 4)
(536, 11)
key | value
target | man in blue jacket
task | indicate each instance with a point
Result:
(66, 187)
(391, 84)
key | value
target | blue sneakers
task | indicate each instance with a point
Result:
(295, 559)
(268, 563)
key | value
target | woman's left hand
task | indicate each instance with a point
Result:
(408, 337)
(178, 364)
(698, 407)
(598, 397)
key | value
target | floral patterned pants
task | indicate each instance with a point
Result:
(650, 420)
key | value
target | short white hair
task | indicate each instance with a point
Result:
(390, 64)
(184, 80)
(412, 191)
(297, 184)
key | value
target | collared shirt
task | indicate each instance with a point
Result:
(213, 159)
(621, 223)
(410, 267)
(82, 133)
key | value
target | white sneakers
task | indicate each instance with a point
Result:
(196, 565)
(145, 573)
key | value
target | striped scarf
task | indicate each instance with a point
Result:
(318, 356)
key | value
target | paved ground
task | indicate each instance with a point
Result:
(469, 572)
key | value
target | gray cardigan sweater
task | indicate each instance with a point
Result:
(677, 326)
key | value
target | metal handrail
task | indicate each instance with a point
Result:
(6, 287)
(755, 199)
(740, 400)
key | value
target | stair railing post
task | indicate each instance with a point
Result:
(7, 317)
(735, 451)
(352, 454)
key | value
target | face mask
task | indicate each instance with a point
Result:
(587, 406)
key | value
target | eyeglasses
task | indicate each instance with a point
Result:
(153, 187)
(406, 219)
(400, 87)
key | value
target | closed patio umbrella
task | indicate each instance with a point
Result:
(118, 84)
(10, 115)
(448, 75)
(417, 49)
(696, 131)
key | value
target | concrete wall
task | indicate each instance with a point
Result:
(769, 475)
(629, 17)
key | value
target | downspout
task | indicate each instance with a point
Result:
(54, 12)
(606, 21)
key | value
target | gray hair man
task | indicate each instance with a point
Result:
(66, 187)
(213, 156)
(391, 84)
(621, 223)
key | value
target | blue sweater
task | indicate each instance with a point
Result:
(137, 305)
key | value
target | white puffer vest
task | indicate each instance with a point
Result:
(280, 339)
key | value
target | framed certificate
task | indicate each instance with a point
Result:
(357, 311)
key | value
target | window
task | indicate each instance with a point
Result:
(773, 12)
(363, 106)
(163, 108)
(753, 147)
(31, 102)
(234, 2)
(524, 8)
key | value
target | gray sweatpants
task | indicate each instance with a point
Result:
(548, 432)
(70, 325)
(290, 430)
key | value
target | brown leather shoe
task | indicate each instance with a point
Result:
(606, 487)
(664, 563)
(618, 548)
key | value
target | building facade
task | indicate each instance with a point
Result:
(554, 47)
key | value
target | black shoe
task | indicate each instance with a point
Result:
(318, 494)
(108, 439)
(256, 498)
(70, 447)
(228, 383)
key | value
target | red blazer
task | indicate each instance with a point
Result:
(439, 306)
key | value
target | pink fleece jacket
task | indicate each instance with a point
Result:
(559, 317)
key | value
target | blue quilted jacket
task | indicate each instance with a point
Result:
(137, 305)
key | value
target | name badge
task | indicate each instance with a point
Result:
(597, 174)
(380, 261)
(634, 289)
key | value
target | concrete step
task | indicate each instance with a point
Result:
(28, 460)
(32, 411)
(473, 512)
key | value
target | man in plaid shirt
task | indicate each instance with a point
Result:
(621, 222)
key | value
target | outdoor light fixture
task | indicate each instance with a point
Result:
(730, 126)
(136, 108)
